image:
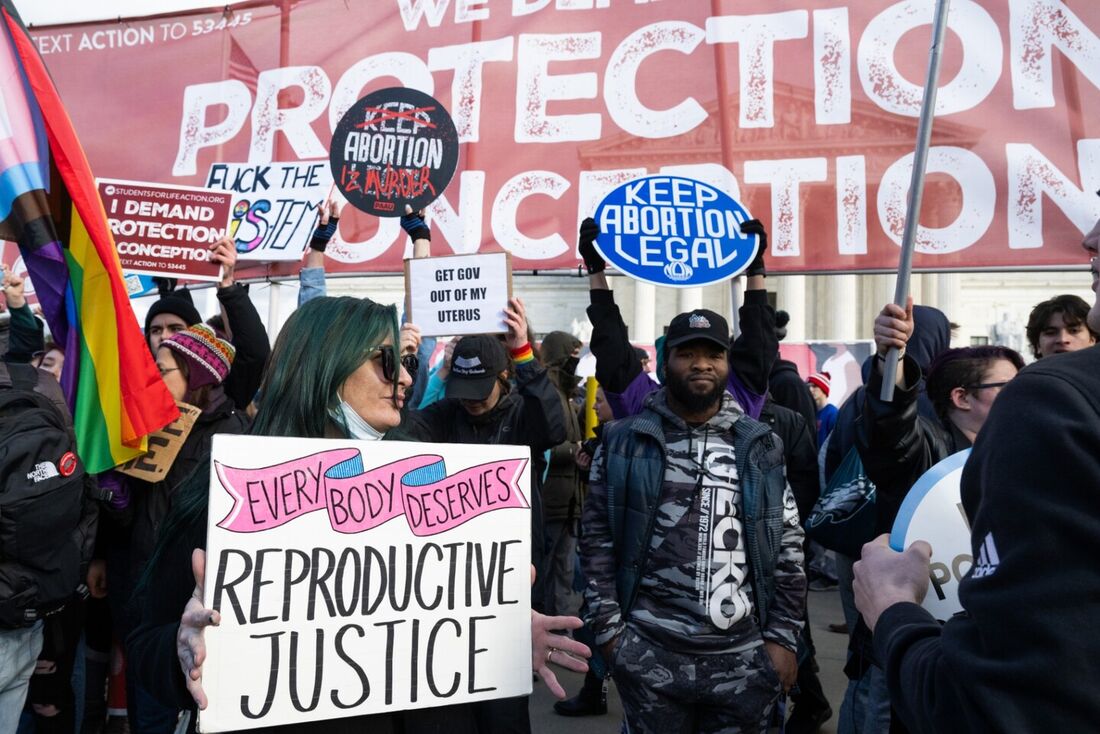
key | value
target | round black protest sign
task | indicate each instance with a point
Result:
(394, 147)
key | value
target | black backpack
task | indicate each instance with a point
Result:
(47, 507)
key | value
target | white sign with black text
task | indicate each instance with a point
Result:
(458, 294)
(360, 577)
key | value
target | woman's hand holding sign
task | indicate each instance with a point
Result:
(547, 647)
(190, 641)
(224, 251)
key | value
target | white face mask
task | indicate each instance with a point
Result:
(353, 423)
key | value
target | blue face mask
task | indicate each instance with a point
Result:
(353, 423)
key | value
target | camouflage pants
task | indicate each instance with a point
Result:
(666, 692)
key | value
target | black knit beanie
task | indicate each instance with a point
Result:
(177, 303)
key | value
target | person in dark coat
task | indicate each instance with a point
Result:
(931, 335)
(898, 445)
(244, 329)
(194, 364)
(561, 493)
(1022, 657)
(481, 407)
(811, 706)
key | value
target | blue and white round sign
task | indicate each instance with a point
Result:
(932, 512)
(674, 231)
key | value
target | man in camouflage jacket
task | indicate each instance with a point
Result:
(693, 550)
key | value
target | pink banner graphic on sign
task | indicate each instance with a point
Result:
(359, 499)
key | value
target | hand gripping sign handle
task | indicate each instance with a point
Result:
(916, 185)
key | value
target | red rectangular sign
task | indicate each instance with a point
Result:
(805, 112)
(166, 230)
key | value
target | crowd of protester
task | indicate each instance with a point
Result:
(668, 539)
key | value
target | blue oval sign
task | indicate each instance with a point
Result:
(674, 231)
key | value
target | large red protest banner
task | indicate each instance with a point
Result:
(805, 112)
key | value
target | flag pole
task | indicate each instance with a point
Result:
(916, 185)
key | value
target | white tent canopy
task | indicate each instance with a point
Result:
(58, 12)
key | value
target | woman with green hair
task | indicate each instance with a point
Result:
(340, 369)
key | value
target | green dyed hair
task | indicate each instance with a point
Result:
(319, 347)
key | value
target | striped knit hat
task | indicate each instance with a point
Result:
(821, 380)
(208, 357)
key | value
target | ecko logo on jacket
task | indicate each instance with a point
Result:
(674, 231)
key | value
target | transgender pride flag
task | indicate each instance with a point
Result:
(50, 206)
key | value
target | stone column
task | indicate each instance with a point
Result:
(689, 299)
(790, 293)
(949, 286)
(840, 302)
(645, 308)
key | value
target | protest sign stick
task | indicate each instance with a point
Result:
(916, 185)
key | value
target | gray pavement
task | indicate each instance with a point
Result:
(824, 609)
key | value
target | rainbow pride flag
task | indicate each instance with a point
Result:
(49, 205)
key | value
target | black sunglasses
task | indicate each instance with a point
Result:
(410, 362)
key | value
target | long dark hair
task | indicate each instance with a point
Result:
(320, 345)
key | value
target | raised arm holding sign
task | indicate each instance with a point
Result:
(459, 294)
(674, 231)
(169, 231)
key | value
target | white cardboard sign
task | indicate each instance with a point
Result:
(359, 577)
(276, 206)
(933, 512)
(457, 295)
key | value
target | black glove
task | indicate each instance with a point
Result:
(323, 233)
(165, 285)
(415, 225)
(587, 237)
(754, 226)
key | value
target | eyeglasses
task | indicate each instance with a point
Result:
(986, 385)
(410, 362)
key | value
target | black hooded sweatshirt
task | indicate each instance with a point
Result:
(931, 335)
(1025, 655)
(789, 390)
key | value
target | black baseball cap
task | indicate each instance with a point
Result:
(475, 365)
(698, 324)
